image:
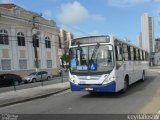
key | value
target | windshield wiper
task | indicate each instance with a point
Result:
(95, 51)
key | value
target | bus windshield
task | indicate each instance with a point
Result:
(91, 60)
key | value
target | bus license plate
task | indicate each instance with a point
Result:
(89, 89)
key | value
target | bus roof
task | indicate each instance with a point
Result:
(115, 38)
(128, 43)
(90, 37)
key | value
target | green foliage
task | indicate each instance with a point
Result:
(65, 58)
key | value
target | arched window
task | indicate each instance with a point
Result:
(4, 37)
(47, 42)
(20, 39)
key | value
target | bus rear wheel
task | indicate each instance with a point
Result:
(143, 77)
(126, 84)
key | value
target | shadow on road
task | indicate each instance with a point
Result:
(136, 87)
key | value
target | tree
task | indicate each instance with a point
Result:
(65, 58)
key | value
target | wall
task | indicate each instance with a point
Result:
(23, 23)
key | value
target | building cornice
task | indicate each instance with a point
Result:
(26, 20)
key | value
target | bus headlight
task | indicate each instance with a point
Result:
(72, 79)
(109, 79)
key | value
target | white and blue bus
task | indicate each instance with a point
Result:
(105, 64)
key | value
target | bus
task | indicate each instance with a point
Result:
(105, 64)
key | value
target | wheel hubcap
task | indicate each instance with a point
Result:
(125, 85)
(143, 77)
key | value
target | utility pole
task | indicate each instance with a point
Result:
(35, 46)
(35, 32)
(159, 21)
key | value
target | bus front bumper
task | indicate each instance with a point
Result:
(110, 87)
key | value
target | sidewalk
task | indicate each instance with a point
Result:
(155, 69)
(13, 97)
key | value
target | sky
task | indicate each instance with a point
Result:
(121, 18)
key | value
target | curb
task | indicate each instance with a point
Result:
(153, 70)
(33, 98)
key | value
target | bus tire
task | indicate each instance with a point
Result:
(126, 84)
(92, 93)
(143, 76)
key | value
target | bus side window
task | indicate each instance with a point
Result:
(119, 49)
(144, 55)
(125, 52)
(132, 53)
(129, 52)
(141, 55)
(134, 50)
(118, 53)
(137, 54)
(139, 58)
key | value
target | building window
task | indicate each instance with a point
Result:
(47, 42)
(37, 41)
(23, 64)
(49, 63)
(20, 39)
(60, 45)
(6, 64)
(4, 37)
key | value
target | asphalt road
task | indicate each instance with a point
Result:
(142, 97)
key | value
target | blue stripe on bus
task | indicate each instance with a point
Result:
(110, 87)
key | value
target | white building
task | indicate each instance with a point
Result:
(157, 59)
(157, 45)
(139, 40)
(16, 46)
(64, 42)
(147, 29)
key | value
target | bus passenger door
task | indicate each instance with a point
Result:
(119, 66)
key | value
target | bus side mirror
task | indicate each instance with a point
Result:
(110, 47)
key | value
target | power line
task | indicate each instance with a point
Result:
(31, 21)
(77, 29)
